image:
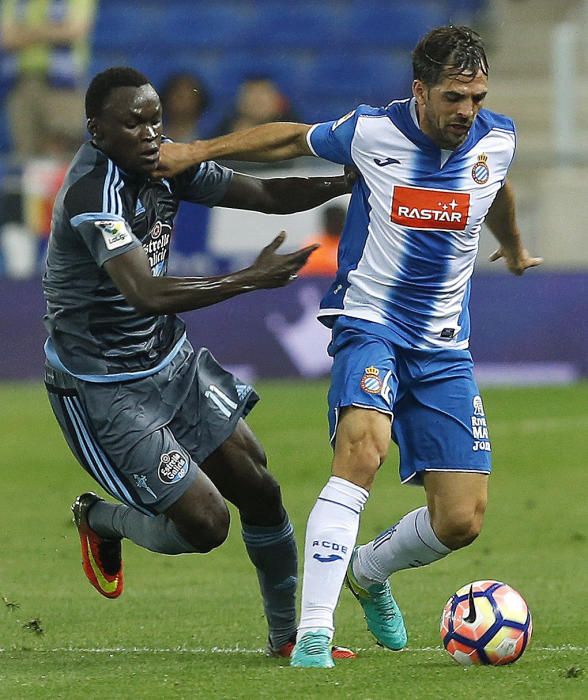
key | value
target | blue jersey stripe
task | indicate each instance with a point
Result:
(75, 221)
(56, 363)
(96, 459)
(464, 317)
(351, 246)
(89, 457)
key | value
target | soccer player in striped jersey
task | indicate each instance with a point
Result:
(157, 424)
(433, 169)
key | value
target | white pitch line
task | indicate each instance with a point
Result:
(239, 650)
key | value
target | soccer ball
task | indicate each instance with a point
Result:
(486, 622)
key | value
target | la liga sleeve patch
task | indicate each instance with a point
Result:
(115, 233)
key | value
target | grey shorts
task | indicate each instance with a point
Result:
(143, 440)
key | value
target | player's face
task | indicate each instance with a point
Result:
(447, 110)
(129, 128)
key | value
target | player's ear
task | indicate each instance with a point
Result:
(94, 128)
(418, 90)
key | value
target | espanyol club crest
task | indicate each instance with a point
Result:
(371, 382)
(481, 171)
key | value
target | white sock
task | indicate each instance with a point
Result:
(331, 533)
(408, 544)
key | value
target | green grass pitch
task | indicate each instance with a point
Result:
(192, 627)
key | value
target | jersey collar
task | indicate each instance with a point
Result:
(403, 115)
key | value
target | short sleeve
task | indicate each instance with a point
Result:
(332, 140)
(105, 236)
(207, 184)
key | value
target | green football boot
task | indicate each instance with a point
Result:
(382, 614)
(313, 650)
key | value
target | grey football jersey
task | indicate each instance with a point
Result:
(99, 213)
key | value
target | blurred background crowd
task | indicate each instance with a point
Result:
(231, 64)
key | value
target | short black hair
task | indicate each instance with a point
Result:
(448, 51)
(103, 83)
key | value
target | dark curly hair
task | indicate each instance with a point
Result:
(448, 51)
(103, 83)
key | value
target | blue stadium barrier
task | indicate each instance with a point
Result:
(207, 27)
(373, 76)
(294, 25)
(469, 8)
(5, 138)
(123, 27)
(397, 25)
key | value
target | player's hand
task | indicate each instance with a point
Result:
(517, 262)
(350, 176)
(174, 158)
(275, 270)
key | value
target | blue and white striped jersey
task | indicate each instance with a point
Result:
(410, 240)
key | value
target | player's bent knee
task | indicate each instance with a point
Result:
(458, 530)
(207, 532)
(201, 516)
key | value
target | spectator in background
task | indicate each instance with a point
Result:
(324, 260)
(259, 101)
(183, 98)
(46, 48)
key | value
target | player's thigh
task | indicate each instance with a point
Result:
(361, 445)
(164, 471)
(363, 386)
(150, 475)
(238, 468)
(212, 408)
(440, 424)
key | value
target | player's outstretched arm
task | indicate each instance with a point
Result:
(501, 220)
(284, 195)
(265, 143)
(131, 273)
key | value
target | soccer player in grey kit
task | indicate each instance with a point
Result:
(156, 423)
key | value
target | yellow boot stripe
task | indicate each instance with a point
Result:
(104, 583)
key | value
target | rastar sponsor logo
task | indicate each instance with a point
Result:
(416, 207)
